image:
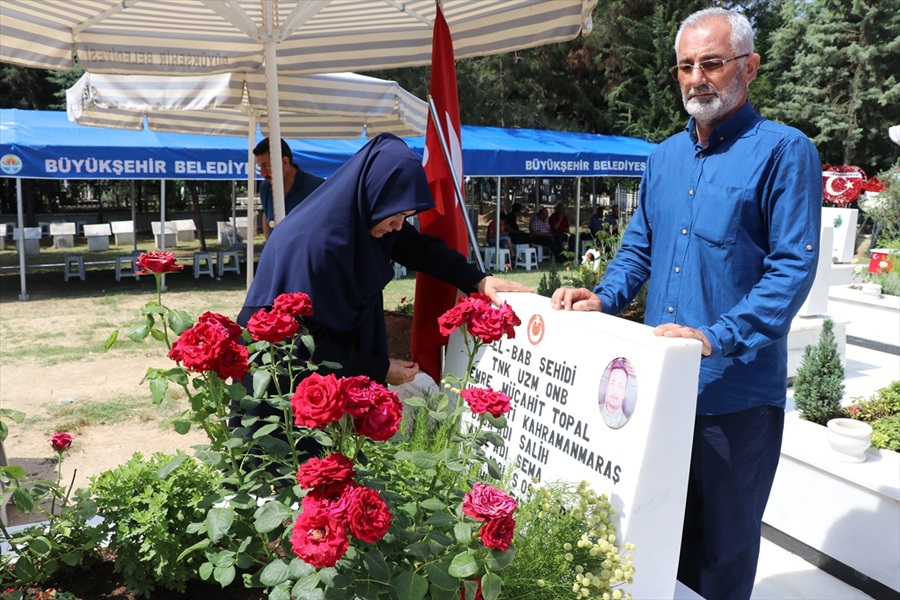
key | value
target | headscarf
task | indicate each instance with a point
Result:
(324, 248)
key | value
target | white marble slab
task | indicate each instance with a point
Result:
(555, 370)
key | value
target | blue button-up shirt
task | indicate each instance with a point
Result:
(728, 235)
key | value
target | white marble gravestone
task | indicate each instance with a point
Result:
(97, 237)
(556, 372)
(844, 222)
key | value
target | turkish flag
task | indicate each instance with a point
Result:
(433, 298)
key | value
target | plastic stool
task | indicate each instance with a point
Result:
(203, 264)
(73, 266)
(501, 262)
(128, 259)
(234, 265)
(527, 255)
(540, 252)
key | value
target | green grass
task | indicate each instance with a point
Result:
(74, 416)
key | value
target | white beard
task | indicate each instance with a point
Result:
(712, 110)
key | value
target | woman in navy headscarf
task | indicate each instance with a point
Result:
(337, 246)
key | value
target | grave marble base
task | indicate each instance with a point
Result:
(850, 512)
(876, 319)
(63, 241)
(32, 247)
(98, 243)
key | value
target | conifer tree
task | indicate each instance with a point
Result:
(834, 65)
(819, 383)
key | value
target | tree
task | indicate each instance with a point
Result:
(834, 64)
(35, 89)
(819, 383)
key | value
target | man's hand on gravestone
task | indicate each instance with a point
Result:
(676, 330)
(575, 299)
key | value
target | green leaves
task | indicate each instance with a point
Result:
(463, 565)
(271, 515)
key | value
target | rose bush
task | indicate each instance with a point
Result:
(403, 502)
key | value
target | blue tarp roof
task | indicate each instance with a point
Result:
(45, 144)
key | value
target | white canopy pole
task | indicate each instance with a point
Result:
(497, 227)
(162, 226)
(577, 246)
(20, 241)
(251, 196)
(271, 46)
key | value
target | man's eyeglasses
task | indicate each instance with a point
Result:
(707, 66)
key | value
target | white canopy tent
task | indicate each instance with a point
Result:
(196, 37)
(338, 106)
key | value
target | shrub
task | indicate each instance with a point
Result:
(883, 403)
(886, 433)
(147, 507)
(566, 547)
(819, 384)
(550, 281)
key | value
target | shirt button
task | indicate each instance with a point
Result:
(701, 155)
(684, 232)
(671, 309)
(809, 247)
(691, 192)
(678, 269)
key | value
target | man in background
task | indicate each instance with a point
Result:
(298, 184)
(727, 232)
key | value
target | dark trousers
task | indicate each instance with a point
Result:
(733, 465)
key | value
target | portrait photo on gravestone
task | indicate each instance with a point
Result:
(617, 395)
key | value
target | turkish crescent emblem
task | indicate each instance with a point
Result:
(536, 329)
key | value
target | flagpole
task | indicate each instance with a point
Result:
(473, 239)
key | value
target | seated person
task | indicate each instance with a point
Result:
(505, 239)
(512, 225)
(595, 224)
(559, 224)
(611, 220)
(542, 235)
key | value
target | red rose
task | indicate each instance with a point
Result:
(319, 539)
(488, 502)
(368, 517)
(359, 394)
(484, 400)
(272, 326)
(296, 304)
(498, 533)
(455, 317)
(334, 473)
(60, 441)
(318, 401)
(158, 262)
(232, 330)
(483, 319)
(318, 500)
(232, 360)
(207, 347)
(382, 419)
(197, 347)
(490, 324)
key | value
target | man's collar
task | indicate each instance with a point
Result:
(728, 128)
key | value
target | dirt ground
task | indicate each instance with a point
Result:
(52, 368)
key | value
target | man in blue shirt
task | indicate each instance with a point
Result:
(298, 184)
(727, 232)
